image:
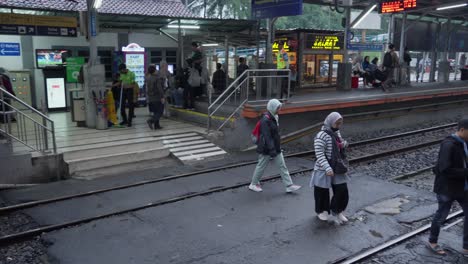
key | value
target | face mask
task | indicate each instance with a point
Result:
(152, 71)
(335, 129)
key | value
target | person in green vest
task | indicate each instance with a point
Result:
(127, 82)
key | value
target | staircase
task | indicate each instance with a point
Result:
(27, 127)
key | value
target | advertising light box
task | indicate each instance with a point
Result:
(56, 93)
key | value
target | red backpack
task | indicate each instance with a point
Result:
(255, 136)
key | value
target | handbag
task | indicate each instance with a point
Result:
(338, 159)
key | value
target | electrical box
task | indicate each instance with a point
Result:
(345, 2)
(21, 82)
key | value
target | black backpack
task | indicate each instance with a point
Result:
(388, 61)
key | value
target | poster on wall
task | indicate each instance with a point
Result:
(324, 42)
(56, 93)
(73, 68)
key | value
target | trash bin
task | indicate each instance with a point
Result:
(101, 120)
(354, 82)
(464, 74)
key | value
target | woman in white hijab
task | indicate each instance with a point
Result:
(330, 171)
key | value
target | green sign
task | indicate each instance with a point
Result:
(73, 68)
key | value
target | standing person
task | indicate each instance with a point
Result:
(451, 184)
(154, 88)
(269, 148)
(116, 86)
(127, 79)
(189, 97)
(219, 79)
(407, 59)
(365, 66)
(197, 57)
(330, 171)
(390, 63)
(462, 61)
(5, 83)
(241, 68)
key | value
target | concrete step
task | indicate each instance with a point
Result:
(16, 168)
(5, 147)
(127, 168)
(108, 148)
(128, 155)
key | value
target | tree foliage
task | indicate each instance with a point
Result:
(236, 9)
(314, 16)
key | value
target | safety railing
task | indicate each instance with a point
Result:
(27, 126)
(252, 86)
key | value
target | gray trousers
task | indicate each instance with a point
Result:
(263, 161)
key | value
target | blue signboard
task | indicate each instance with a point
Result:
(92, 17)
(10, 49)
(365, 47)
(275, 8)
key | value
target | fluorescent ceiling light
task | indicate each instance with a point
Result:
(184, 26)
(365, 15)
(97, 4)
(452, 6)
(210, 45)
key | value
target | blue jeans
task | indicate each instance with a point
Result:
(445, 204)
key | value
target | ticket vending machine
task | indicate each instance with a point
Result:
(54, 83)
(21, 82)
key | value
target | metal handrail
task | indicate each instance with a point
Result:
(237, 85)
(42, 131)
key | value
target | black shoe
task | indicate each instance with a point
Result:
(129, 125)
(150, 124)
(123, 123)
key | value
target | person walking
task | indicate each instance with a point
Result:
(451, 184)
(219, 79)
(330, 171)
(127, 80)
(269, 148)
(407, 59)
(154, 87)
(390, 63)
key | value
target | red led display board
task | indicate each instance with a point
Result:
(394, 6)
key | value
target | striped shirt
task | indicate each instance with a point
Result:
(323, 144)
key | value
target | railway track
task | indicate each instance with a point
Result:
(366, 254)
(13, 238)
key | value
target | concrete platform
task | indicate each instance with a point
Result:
(332, 100)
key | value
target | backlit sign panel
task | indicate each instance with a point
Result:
(394, 6)
(324, 42)
(56, 93)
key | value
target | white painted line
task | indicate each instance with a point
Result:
(183, 144)
(202, 156)
(178, 140)
(192, 147)
(180, 154)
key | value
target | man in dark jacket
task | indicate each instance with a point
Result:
(219, 79)
(155, 92)
(269, 148)
(451, 183)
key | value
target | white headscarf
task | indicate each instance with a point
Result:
(331, 120)
(272, 107)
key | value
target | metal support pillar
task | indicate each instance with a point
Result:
(226, 59)
(402, 70)
(444, 64)
(345, 68)
(391, 28)
(268, 53)
(435, 48)
(180, 47)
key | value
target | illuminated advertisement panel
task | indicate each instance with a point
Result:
(56, 93)
(324, 42)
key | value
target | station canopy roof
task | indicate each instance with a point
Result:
(426, 8)
(130, 14)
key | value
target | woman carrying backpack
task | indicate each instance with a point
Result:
(269, 148)
(330, 171)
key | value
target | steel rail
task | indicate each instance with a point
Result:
(26, 205)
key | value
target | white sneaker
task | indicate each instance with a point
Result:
(292, 188)
(335, 219)
(343, 218)
(255, 187)
(323, 216)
